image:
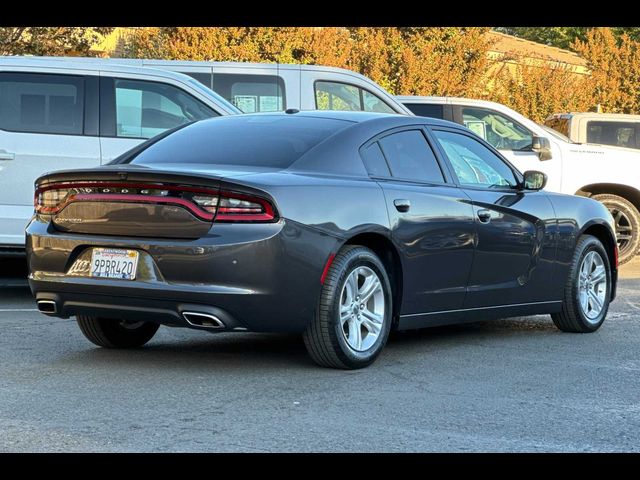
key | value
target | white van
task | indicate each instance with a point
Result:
(269, 87)
(605, 173)
(64, 114)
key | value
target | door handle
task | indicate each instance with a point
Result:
(7, 156)
(402, 205)
(484, 215)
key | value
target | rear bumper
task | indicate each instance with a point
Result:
(258, 277)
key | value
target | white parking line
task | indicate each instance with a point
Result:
(18, 309)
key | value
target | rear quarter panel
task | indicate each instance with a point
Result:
(574, 216)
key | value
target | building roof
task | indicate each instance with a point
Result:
(508, 44)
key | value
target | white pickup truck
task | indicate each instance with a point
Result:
(606, 173)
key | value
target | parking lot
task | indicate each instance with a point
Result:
(510, 385)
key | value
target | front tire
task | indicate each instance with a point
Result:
(353, 318)
(627, 221)
(587, 291)
(114, 333)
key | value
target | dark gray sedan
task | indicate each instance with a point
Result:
(340, 226)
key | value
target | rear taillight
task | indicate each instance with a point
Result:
(239, 207)
(206, 204)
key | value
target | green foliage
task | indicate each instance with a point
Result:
(49, 40)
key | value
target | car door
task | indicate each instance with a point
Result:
(47, 122)
(515, 243)
(511, 139)
(133, 110)
(431, 220)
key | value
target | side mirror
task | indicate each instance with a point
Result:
(542, 147)
(534, 180)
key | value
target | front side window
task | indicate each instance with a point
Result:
(251, 93)
(621, 134)
(41, 103)
(410, 157)
(343, 96)
(473, 163)
(500, 131)
(146, 109)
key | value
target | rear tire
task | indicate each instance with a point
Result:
(354, 314)
(114, 333)
(590, 264)
(627, 221)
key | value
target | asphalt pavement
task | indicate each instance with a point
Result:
(503, 386)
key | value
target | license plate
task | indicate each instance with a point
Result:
(114, 263)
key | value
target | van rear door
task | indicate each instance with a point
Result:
(48, 121)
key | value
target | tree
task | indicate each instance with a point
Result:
(49, 40)
(564, 37)
(615, 69)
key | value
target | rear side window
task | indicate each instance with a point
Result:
(251, 93)
(621, 134)
(41, 103)
(249, 140)
(344, 96)
(410, 157)
(374, 161)
(426, 109)
(145, 109)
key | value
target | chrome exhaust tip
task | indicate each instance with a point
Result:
(47, 306)
(203, 320)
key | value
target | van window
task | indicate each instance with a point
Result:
(344, 96)
(145, 109)
(203, 78)
(251, 93)
(41, 103)
(500, 131)
(426, 109)
(621, 134)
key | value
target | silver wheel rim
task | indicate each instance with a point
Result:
(592, 286)
(362, 308)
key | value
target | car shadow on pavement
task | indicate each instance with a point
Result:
(271, 351)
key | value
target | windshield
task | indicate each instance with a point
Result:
(557, 134)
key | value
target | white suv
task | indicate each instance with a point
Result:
(59, 114)
(605, 173)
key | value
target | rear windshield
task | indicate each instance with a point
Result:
(256, 140)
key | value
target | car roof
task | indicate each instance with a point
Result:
(361, 117)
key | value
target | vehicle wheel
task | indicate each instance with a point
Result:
(114, 333)
(588, 288)
(627, 219)
(354, 314)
